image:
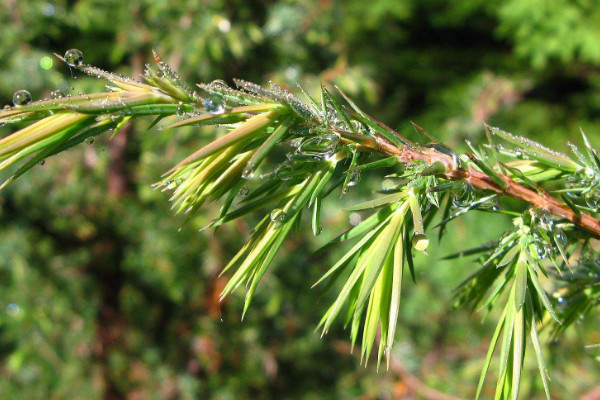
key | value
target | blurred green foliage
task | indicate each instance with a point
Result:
(104, 297)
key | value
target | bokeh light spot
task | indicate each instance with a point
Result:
(46, 62)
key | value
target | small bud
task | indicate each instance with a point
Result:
(420, 242)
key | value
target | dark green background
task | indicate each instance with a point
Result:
(101, 295)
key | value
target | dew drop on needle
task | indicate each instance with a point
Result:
(21, 97)
(73, 57)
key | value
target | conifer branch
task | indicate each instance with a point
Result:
(328, 147)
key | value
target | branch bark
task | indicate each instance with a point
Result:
(480, 180)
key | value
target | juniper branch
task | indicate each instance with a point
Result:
(328, 142)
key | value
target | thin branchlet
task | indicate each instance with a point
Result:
(482, 181)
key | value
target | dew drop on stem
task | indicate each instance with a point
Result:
(244, 191)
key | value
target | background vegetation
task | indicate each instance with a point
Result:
(103, 297)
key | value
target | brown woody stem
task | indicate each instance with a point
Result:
(480, 180)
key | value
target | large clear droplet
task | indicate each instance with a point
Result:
(219, 83)
(74, 57)
(561, 238)
(354, 178)
(592, 199)
(542, 251)
(277, 215)
(463, 197)
(248, 172)
(542, 218)
(284, 172)
(540, 247)
(589, 173)
(318, 147)
(214, 105)
(21, 97)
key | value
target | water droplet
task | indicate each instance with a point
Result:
(542, 219)
(89, 140)
(464, 196)
(507, 239)
(354, 178)
(561, 238)
(284, 172)
(171, 185)
(244, 191)
(592, 199)
(57, 94)
(588, 255)
(21, 97)
(73, 57)
(214, 105)
(561, 299)
(388, 185)
(248, 172)
(277, 215)
(220, 84)
(589, 173)
(296, 142)
(541, 247)
(542, 252)
(318, 147)
(180, 111)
